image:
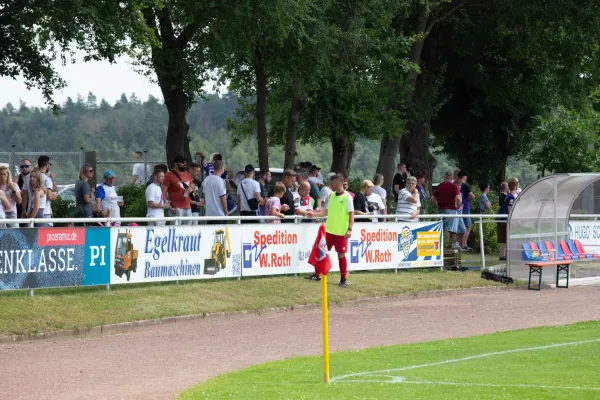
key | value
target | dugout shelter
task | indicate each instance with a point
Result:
(541, 213)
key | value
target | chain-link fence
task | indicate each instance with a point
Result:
(65, 165)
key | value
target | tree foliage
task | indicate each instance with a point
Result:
(36, 32)
(567, 141)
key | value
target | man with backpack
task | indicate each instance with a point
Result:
(248, 195)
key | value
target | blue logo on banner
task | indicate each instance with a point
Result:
(247, 255)
(96, 262)
(358, 251)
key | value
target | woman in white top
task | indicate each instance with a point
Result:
(37, 196)
(378, 181)
(408, 201)
(12, 193)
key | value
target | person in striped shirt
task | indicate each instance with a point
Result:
(409, 202)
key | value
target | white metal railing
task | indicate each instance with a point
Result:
(31, 221)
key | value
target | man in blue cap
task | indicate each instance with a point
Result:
(107, 199)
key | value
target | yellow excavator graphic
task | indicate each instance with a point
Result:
(125, 255)
(219, 253)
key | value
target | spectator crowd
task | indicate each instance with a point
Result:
(206, 188)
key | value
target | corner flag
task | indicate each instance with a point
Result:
(319, 257)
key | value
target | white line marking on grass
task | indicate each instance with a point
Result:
(384, 372)
(400, 379)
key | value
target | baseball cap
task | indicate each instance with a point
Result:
(314, 168)
(462, 173)
(249, 168)
(109, 173)
(179, 159)
(330, 175)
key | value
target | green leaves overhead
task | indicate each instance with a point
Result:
(33, 33)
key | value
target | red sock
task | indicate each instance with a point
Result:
(343, 267)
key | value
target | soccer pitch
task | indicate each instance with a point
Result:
(540, 363)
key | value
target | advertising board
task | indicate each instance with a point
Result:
(587, 232)
(43, 257)
(154, 254)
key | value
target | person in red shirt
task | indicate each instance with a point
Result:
(177, 187)
(446, 197)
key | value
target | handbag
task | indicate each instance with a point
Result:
(252, 203)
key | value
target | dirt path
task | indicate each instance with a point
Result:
(160, 361)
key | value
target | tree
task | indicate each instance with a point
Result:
(179, 59)
(567, 141)
(500, 76)
(253, 62)
(35, 32)
(418, 20)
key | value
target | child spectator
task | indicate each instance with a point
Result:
(273, 206)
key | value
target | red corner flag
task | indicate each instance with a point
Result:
(319, 257)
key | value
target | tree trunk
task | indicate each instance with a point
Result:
(178, 141)
(261, 109)
(414, 150)
(501, 173)
(391, 144)
(342, 149)
(292, 128)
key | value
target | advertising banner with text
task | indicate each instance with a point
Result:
(154, 254)
(41, 258)
(587, 232)
(271, 249)
(396, 245)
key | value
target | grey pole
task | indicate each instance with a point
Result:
(145, 165)
(12, 161)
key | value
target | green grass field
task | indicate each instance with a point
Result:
(55, 309)
(541, 363)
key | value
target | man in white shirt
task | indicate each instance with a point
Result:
(107, 199)
(139, 177)
(248, 189)
(215, 193)
(155, 200)
(376, 205)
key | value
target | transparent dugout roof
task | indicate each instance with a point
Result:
(541, 213)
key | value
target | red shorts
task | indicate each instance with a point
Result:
(339, 242)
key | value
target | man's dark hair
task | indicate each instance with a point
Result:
(289, 172)
(43, 161)
(157, 171)
(161, 168)
(194, 164)
(263, 172)
(483, 186)
(218, 157)
(139, 153)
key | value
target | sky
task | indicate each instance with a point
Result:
(105, 80)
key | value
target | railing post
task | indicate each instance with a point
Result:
(443, 244)
(145, 165)
(81, 157)
(13, 161)
(108, 287)
(481, 243)
(239, 222)
(30, 292)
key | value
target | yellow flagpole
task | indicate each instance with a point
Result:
(325, 317)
